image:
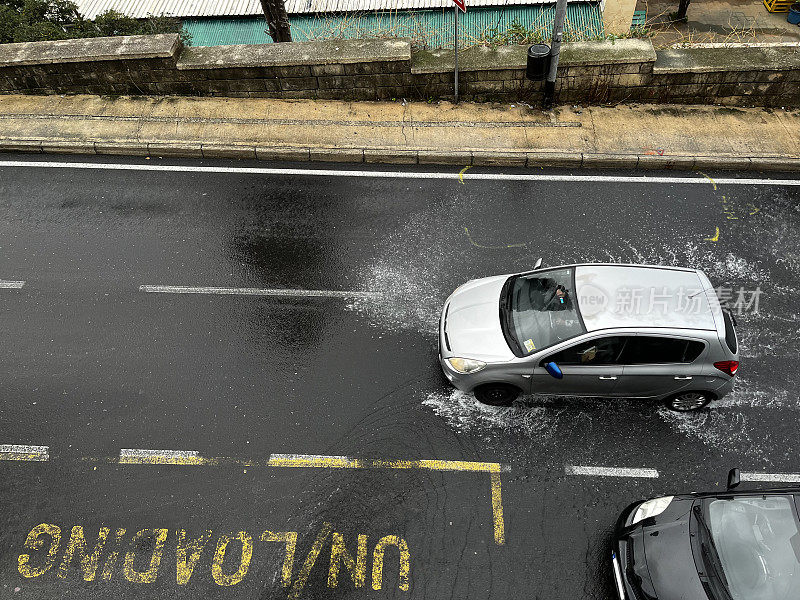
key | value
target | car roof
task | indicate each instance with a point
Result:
(615, 296)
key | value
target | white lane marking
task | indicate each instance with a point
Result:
(609, 471)
(18, 452)
(395, 174)
(11, 285)
(184, 289)
(137, 456)
(773, 477)
(125, 452)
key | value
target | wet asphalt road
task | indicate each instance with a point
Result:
(92, 365)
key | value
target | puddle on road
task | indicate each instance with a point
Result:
(420, 264)
(464, 413)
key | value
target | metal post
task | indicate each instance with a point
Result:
(555, 50)
(455, 45)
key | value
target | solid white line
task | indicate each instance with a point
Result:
(396, 174)
(139, 453)
(610, 471)
(182, 289)
(773, 477)
(11, 285)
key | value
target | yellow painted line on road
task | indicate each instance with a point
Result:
(497, 510)
(135, 456)
(314, 460)
(29, 453)
(714, 183)
(715, 238)
(345, 462)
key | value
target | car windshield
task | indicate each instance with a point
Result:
(755, 542)
(540, 310)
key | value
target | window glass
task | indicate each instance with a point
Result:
(644, 349)
(540, 311)
(600, 351)
(757, 544)
(730, 332)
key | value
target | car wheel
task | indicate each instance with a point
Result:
(688, 401)
(496, 394)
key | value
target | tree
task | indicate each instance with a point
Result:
(277, 20)
(37, 20)
(682, 7)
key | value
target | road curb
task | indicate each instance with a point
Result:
(504, 158)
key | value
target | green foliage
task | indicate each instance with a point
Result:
(37, 20)
(514, 33)
(112, 22)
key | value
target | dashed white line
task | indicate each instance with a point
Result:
(771, 477)
(137, 456)
(184, 289)
(18, 452)
(11, 285)
(313, 460)
(395, 174)
(610, 471)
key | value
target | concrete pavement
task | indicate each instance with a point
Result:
(399, 132)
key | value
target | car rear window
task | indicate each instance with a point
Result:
(644, 349)
(730, 332)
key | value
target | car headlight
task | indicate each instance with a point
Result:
(651, 508)
(466, 365)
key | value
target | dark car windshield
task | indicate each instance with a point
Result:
(755, 542)
(540, 310)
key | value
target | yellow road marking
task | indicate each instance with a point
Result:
(477, 245)
(192, 458)
(29, 453)
(308, 564)
(461, 174)
(313, 460)
(497, 510)
(715, 238)
(714, 183)
(129, 456)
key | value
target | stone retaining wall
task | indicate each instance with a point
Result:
(589, 72)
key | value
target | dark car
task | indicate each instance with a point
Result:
(728, 545)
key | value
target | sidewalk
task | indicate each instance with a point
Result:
(411, 133)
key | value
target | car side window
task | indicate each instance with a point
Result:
(645, 349)
(599, 351)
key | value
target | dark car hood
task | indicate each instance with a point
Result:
(668, 552)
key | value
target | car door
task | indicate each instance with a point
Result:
(590, 368)
(655, 365)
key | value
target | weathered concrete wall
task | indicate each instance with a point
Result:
(618, 15)
(589, 72)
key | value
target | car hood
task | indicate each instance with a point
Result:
(668, 552)
(473, 321)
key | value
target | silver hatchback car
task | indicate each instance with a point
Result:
(608, 330)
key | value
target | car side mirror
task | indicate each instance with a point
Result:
(554, 370)
(734, 478)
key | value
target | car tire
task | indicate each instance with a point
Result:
(688, 401)
(496, 394)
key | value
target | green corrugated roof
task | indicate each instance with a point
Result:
(427, 28)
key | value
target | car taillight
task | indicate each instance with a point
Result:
(729, 367)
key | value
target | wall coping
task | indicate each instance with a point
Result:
(482, 58)
(295, 53)
(729, 58)
(130, 47)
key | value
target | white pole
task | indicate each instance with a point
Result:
(455, 45)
